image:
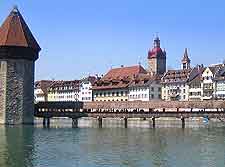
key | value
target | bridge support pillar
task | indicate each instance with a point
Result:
(46, 122)
(100, 122)
(183, 122)
(74, 122)
(125, 122)
(153, 122)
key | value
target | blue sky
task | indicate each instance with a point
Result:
(82, 37)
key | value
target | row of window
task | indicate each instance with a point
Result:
(86, 93)
(67, 92)
(144, 89)
(63, 88)
(64, 97)
(138, 96)
(141, 96)
(105, 94)
(175, 91)
(86, 98)
(113, 100)
(207, 78)
(195, 93)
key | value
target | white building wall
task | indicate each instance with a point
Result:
(144, 93)
(207, 76)
(220, 89)
(180, 89)
(39, 95)
(85, 93)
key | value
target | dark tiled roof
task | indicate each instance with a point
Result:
(44, 85)
(15, 32)
(75, 84)
(220, 75)
(144, 80)
(104, 84)
(172, 76)
(196, 74)
(91, 79)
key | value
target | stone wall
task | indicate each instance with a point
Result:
(18, 94)
(3, 71)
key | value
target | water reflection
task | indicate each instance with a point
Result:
(111, 147)
(16, 146)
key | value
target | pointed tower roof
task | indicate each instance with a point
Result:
(185, 57)
(15, 32)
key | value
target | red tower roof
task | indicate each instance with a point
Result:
(156, 50)
(15, 32)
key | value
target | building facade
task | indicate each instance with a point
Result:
(175, 82)
(64, 91)
(18, 52)
(195, 83)
(85, 93)
(114, 85)
(219, 84)
(144, 88)
(41, 90)
(208, 83)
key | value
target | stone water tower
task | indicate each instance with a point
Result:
(18, 52)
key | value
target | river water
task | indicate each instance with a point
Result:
(30, 146)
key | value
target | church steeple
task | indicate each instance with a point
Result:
(186, 62)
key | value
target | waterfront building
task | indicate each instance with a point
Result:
(41, 90)
(64, 91)
(219, 84)
(156, 59)
(85, 93)
(208, 82)
(144, 88)
(195, 83)
(114, 85)
(175, 82)
(18, 52)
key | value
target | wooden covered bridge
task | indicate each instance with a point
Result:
(125, 110)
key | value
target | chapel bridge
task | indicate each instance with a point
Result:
(125, 110)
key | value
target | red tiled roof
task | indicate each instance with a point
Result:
(110, 84)
(125, 72)
(15, 32)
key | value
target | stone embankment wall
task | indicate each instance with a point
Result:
(17, 80)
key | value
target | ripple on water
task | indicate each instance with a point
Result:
(112, 147)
